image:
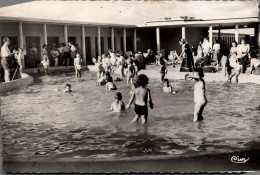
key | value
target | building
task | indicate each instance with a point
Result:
(95, 38)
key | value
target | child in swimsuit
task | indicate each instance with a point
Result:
(236, 72)
(167, 88)
(163, 70)
(67, 88)
(46, 64)
(142, 96)
(131, 72)
(110, 85)
(117, 105)
(77, 65)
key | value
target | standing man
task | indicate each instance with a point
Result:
(6, 58)
(72, 50)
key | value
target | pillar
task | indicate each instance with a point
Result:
(66, 34)
(21, 42)
(21, 35)
(99, 41)
(210, 36)
(158, 38)
(135, 46)
(236, 33)
(112, 39)
(183, 33)
(257, 38)
(45, 41)
(219, 31)
(83, 47)
(124, 40)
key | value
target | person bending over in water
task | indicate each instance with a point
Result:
(199, 95)
(67, 88)
(236, 72)
(254, 63)
(117, 105)
(142, 96)
(167, 88)
(110, 85)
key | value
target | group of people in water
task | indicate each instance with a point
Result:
(191, 61)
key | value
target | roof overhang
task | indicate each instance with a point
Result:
(61, 22)
(219, 23)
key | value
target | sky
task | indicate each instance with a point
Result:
(130, 12)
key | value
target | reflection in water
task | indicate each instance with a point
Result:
(42, 121)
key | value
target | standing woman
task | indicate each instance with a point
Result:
(200, 99)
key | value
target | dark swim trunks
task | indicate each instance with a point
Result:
(141, 110)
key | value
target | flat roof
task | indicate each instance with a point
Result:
(61, 22)
(220, 23)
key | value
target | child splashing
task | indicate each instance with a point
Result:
(142, 96)
(199, 95)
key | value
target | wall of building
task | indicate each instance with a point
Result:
(146, 39)
(57, 31)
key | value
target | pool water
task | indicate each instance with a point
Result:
(42, 121)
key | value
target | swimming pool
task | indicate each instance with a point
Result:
(40, 121)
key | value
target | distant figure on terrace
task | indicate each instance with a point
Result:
(55, 54)
(216, 53)
(78, 65)
(73, 50)
(187, 64)
(66, 55)
(242, 53)
(254, 64)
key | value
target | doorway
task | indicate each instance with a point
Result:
(33, 52)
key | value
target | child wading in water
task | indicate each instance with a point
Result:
(77, 64)
(236, 72)
(117, 105)
(67, 88)
(199, 95)
(142, 96)
(167, 88)
(163, 70)
(131, 71)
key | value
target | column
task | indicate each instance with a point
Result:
(257, 39)
(210, 36)
(83, 47)
(135, 46)
(45, 41)
(66, 34)
(99, 41)
(236, 33)
(21, 44)
(158, 38)
(183, 32)
(112, 39)
(21, 35)
(124, 40)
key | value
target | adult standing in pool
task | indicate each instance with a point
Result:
(6, 58)
(206, 49)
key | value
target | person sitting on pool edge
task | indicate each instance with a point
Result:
(167, 88)
(117, 105)
(142, 96)
(199, 94)
(67, 88)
